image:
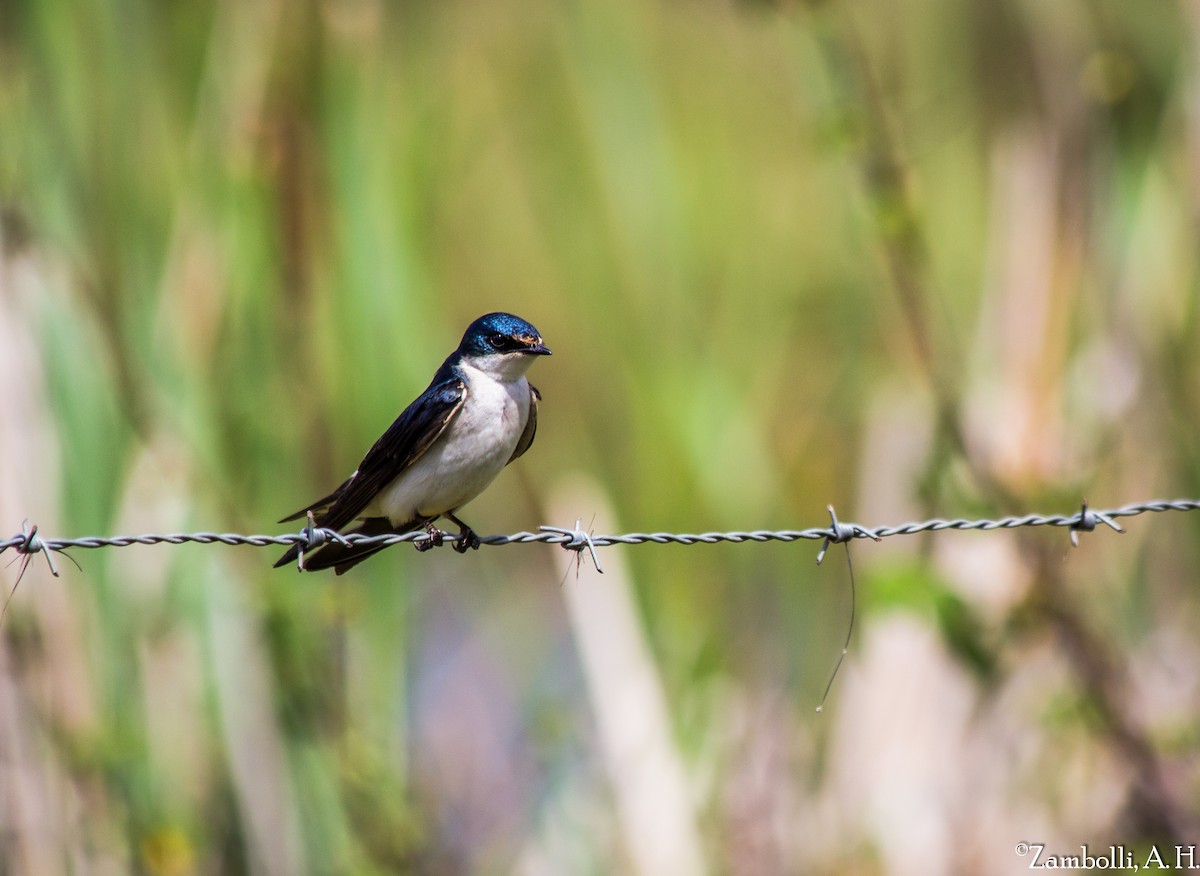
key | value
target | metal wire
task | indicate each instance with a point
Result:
(574, 538)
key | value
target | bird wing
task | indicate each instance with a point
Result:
(413, 432)
(526, 438)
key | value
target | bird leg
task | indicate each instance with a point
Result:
(467, 539)
(435, 538)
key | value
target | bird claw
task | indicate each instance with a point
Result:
(467, 540)
(435, 538)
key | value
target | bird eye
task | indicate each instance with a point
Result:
(498, 340)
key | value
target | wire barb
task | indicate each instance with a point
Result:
(31, 543)
(842, 533)
(578, 539)
(315, 536)
(1087, 521)
(27, 544)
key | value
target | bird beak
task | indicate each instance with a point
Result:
(537, 349)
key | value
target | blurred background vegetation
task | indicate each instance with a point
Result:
(914, 259)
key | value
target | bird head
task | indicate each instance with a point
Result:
(502, 344)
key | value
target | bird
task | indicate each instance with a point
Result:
(478, 414)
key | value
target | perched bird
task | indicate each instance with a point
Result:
(478, 415)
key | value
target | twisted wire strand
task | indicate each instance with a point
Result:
(574, 538)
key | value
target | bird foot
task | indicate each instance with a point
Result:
(467, 540)
(435, 538)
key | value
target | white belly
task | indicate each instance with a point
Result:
(465, 459)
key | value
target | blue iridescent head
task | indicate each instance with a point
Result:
(499, 334)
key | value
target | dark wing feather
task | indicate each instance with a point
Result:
(526, 439)
(401, 445)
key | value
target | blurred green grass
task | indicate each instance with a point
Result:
(908, 259)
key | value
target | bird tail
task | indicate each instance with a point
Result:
(340, 557)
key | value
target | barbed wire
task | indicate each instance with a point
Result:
(28, 542)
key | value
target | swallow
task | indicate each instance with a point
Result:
(477, 415)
